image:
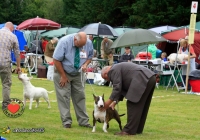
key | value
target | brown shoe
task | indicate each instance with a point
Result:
(68, 126)
(121, 133)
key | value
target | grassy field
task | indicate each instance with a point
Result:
(172, 116)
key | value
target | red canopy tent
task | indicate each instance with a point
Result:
(173, 37)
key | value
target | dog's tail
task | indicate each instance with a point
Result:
(50, 91)
(121, 115)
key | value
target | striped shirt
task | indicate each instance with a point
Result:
(8, 42)
(65, 52)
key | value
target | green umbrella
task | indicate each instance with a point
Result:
(137, 37)
(59, 32)
(121, 30)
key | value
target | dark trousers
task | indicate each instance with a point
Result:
(184, 80)
(137, 112)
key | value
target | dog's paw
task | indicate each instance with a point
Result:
(105, 131)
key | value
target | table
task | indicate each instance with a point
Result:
(34, 57)
(174, 77)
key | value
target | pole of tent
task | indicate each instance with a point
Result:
(188, 69)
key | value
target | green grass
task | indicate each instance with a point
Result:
(172, 115)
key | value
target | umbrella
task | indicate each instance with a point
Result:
(122, 29)
(38, 24)
(137, 37)
(98, 29)
(59, 32)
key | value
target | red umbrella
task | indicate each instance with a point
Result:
(38, 24)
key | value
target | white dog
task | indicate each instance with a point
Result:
(180, 57)
(31, 92)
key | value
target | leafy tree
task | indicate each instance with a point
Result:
(32, 9)
(54, 10)
(135, 13)
(149, 13)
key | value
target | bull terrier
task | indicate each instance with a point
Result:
(104, 116)
(31, 92)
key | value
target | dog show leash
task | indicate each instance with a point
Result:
(89, 83)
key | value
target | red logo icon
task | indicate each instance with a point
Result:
(13, 108)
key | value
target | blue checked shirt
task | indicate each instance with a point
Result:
(65, 52)
(8, 42)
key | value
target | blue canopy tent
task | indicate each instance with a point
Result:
(21, 40)
(2, 25)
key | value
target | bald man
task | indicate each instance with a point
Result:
(136, 83)
(71, 56)
(8, 42)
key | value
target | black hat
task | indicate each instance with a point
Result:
(127, 47)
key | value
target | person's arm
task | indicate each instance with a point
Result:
(132, 57)
(179, 51)
(112, 49)
(58, 57)
(61, 71)
(102, 49)
(89, 57)
(192, 52)
(115, 77)
(84, 66)
(17, 53)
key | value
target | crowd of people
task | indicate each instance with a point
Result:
(71, 56)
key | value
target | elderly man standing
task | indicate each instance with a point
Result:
(8, 42)
(71, 56)
(136, 83)
(106, 51)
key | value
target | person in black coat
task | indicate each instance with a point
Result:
(135, 83)
(127, 56)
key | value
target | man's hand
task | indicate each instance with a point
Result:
(18, 70)
(101, 56)
(112, 105)
(106, 104)
(84, 68)
(63, 81)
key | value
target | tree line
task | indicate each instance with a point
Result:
(130, 13)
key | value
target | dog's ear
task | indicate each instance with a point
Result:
(94, 96)
(103, 96)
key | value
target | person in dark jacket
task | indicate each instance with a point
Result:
(127, 56)
(136, 83)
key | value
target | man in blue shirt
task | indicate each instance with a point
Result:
(71, 56)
